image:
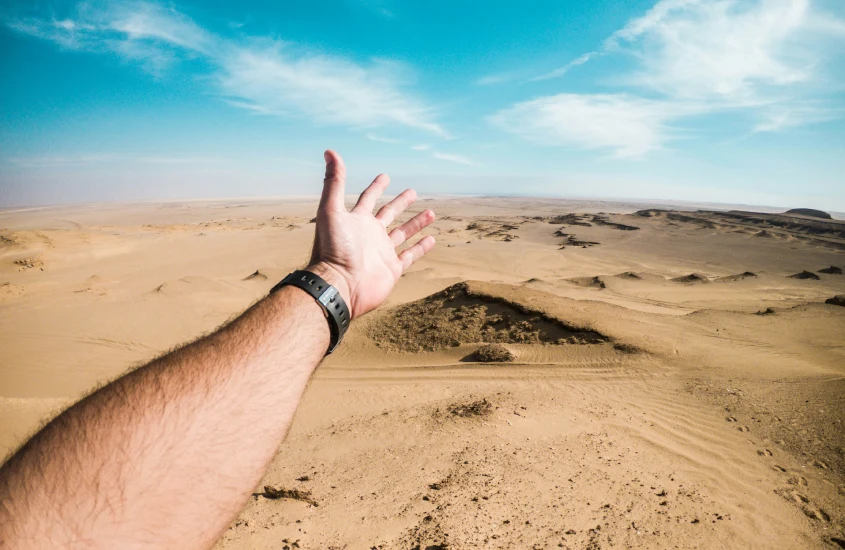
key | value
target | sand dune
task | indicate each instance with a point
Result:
(674, 386)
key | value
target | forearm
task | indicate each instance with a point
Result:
(179, 443)
(167, 455)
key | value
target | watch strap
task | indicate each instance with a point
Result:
(337, 312)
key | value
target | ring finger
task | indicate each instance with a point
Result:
(411, 227)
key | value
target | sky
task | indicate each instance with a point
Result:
(732, 101)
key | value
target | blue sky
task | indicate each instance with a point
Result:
(734, 101)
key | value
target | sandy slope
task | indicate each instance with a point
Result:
(693, 421)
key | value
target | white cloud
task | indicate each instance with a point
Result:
(88, 159)
(66, 160)
(727, 50)
(264, 76)
(453, 158)
(493, 79)
(179, 160)
(256, 108)
(629, 126)
(136, 31)
(580, 60)
(780, 117)
(381, 139)
(691, 57)
(147, 21)
(655, 16)
(421, 147)
(328, 89)
(375, 6)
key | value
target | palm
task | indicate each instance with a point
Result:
(357, 243)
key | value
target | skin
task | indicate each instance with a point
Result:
(167, 455)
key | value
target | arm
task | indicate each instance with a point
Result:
(167, 455)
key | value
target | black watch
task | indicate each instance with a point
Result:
(327, 296)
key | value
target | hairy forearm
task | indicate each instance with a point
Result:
(167, 455)
(170, 452)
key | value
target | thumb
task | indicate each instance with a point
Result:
(334, 185)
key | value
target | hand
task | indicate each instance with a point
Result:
(354, 250)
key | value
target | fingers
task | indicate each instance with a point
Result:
(334, 184)
(367, 200)
(389, 211)
(414, 253)
(411, 227)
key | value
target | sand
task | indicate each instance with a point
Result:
(667, 382)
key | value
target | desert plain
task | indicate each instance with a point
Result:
(554, 374)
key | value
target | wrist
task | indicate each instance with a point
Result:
(334, 277)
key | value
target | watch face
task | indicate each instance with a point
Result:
(327, 296)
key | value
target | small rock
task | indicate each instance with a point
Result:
(838, 300)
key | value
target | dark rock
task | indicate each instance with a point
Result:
(810, 212)
(838, 300)
(466, 410)
(691, 278)
(494, 353)
(805, 275)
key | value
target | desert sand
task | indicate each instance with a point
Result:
(649, 378)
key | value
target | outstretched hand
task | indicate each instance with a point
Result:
(173, 420)
(354, 251)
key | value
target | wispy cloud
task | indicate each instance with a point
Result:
(381, 139)
(262, 75)
(727, 50)
(88, 159)
(256, 108)
(778, 117)
(179, 160)
(491, 79)
(448, 157)
(629, 126)
(692, 57)
(72, 160)
(66, 160)
(379, 7)
(148, 33)
(268, 75)
(565, 69)
(453, 158)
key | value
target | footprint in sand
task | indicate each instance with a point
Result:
(815, 513)
(800, 480)
(799, 498)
